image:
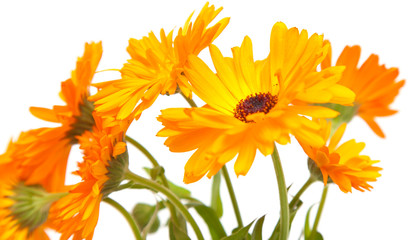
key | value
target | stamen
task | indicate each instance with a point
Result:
(260, 103)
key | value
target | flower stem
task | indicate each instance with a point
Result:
(293, 205)
(296, 198)
(232, 196)
(149, 156)
(319, 212)
(190, 101)
(283, 196)
(170, 196)
(127, 215)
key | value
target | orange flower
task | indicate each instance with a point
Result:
(105, 159)
(375, 86)
(253, 104)
(343, 164)
(156, 67)
(43, 152)
(23, 207)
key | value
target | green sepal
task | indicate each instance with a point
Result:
(315, 171)
(116, 173)
(346, 113)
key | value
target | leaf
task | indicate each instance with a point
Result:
(287, 189)
(216, 202)
(143, 214)
(179, 191)
(257, 232)
(178, 230)
(306, 229)
(211, 219)
(240, 234)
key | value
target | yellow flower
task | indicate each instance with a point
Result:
(375, 86)
(156, 67)
(43, 152)
(105, 159)
(343, 164)
(251, 105)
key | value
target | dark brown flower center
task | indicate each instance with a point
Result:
(258, 103)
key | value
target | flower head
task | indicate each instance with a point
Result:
(43, 152)
(156, 67)
(252, 104)
(23, 208)
(342, 164)
(375, 86)
(76, 115)
(105, 160)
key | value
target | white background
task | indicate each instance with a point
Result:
(40, 41)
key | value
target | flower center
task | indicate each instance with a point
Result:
(258, 103)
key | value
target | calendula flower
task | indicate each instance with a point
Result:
(156, 67)
(102, 170)
(375, 87)
(342, 164)
(43, 152)
(42, 156)
(23, 208)
(251, 105)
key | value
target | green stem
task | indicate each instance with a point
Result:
(127, 215)
(232, 195)
(292, 205)
(296, 198)
(319, 211)
(149, 156)
(170, 196)
(190, 101)
(155, 163)
(283, 196)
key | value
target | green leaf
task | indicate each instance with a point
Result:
(240, 234)
(211, 219)
(178, 229)
(307, 223)
(143, 214)
(179, 191)
(257, 232)
(216, 202)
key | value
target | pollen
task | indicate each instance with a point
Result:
(258, 103)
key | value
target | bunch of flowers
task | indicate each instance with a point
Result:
(250, 105)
